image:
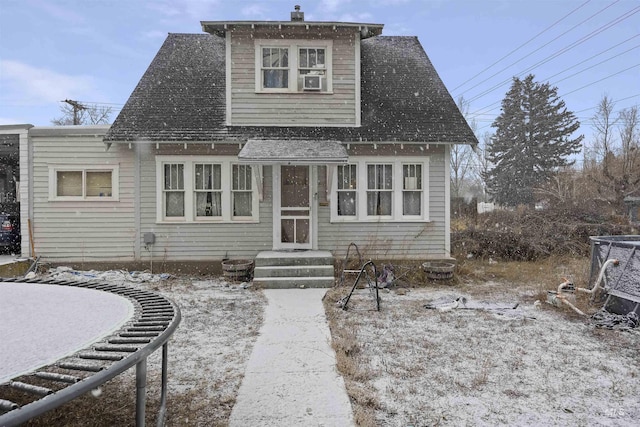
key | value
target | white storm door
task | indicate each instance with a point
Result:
(293, 208)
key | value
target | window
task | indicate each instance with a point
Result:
(275, 67)
(205, 189)
(208, 190)
(370, 190)
(173, 190)
(241, 191)
(379, 190)
(412, 189)
(293, 66)
(347, 190)
(77, 183)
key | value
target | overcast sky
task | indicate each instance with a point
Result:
(95, 51)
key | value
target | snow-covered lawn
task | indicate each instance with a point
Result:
(207, 355)
(412, 366)
(405, 365)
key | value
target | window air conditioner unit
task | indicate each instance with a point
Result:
(312, 82)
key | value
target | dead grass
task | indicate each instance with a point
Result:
(207, 357)
(406, 365)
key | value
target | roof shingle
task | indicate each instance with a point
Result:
(181, 97)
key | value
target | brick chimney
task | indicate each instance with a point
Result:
(297, 15)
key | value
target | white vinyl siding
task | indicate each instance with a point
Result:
(248, 106)
(80, 229)
(382, 190)
(183, 191)
(402, 240)
(204, 239)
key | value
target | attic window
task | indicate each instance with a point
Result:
(275, 67)
(302, 66)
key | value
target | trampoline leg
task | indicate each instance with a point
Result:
(141, 391)
(163, 393)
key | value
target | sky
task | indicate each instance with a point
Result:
(96, 51)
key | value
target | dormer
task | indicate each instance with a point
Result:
(292, 73)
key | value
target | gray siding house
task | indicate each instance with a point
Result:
(258, 136)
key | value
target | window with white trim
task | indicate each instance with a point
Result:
(293, 66)
(205, 189)
(369, 189)
(79, 183)
(241, 192)
(346, 192)
(411, 189)
(208, 190)
(379, 190)
(275, 67)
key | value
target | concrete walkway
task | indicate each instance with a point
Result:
(291, 377)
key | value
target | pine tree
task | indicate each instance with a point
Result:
(532, 140)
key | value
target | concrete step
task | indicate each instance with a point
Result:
(293, 271)
(293, 282)
(277, 258)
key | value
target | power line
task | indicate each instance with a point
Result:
(484, 110)
(541, 47)
(618, 100)
(596, 55)
(523, 45)
(562, 51)
(598, 81)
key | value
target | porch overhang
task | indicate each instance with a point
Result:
(293, 152)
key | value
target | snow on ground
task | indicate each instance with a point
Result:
(208, 352)
(478, 366)
(40, 324)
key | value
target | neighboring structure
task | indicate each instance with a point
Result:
(13, 145)
(258, 136)
(632, 203)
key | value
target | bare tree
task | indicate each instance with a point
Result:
(461, 156)
(76, 113)
(482, 165)
(616, 169)
(604, 124)
(629, 133)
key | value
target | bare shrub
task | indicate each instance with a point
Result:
(527, 235)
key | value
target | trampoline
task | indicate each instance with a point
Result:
(622, 283)
(62, 339)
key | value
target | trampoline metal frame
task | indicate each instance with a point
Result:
(137, 358)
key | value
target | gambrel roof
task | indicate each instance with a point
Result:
(181, 97)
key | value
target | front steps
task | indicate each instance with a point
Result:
(293, 269)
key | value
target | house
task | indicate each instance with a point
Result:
(257, 137)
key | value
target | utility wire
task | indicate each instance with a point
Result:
(541, 47)
(596, 55)
(598, 81)
(616, 101)
(522, 45)
(484, 110)
(562, 51)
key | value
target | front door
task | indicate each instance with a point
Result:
(293, 214)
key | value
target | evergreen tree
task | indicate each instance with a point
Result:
(532, 140)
